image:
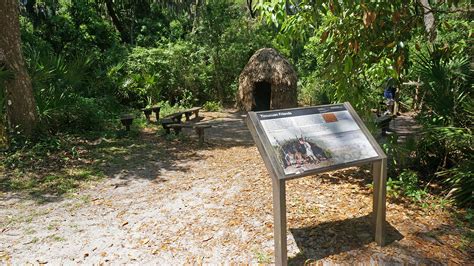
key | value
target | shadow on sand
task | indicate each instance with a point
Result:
(329, 238)
(139, 154)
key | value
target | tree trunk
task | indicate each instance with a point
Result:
(116, 21)
(21, 105)
(251, 8)
(429, 20)
(217, 67)
(196, 12)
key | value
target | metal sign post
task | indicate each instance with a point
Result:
(279, 218)
(322, 138)
(379, 172)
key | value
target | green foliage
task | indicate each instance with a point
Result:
(407, 183)
(159, 74)
(400, 155)
(85, 68)
(351, 47)
(175, 52)
(25, 155)
(349, 50)
(191, 67)
(447, 116)
(212, 106)
(166, 108)
(447, 86)
(461, 180)
(58, 86)
(227, 39)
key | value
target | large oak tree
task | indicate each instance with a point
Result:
(20, 103)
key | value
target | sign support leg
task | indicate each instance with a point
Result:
(279, 218)
(379, 171)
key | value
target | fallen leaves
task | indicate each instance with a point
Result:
(369, 18)
(144, 241)
(5, 257)
(219, 201)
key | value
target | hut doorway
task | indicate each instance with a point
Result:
(262, 95)
(267, 82)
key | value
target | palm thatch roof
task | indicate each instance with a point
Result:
(267, 66)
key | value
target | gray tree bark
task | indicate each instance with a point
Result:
(20, 102)
(428, 19)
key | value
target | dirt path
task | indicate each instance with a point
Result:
(170, 202)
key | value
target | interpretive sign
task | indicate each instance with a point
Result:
(303, 141)
(316, 137)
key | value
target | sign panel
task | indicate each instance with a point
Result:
(306, 140)
(303, 141)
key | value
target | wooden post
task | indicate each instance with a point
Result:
(200, 132)
(279, 218)
(156, 109)
(379, 171)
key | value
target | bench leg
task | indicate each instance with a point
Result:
(200, 132)
(147, 115)
(157, 115)
(187, 116)
(196, 114)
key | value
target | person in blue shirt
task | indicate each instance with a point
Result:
(389, 93)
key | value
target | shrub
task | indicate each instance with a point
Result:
(166, 108)
(212, 106)
(446, 148)
(171, 72)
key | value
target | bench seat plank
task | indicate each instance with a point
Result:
(199, 128)
(189, 112)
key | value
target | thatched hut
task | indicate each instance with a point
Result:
(267, 82)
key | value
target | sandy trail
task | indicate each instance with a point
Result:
(213, 205)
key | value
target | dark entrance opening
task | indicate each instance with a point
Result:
(262, 94)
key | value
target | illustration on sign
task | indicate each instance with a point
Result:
(311, 138)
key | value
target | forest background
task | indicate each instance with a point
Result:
(91, 60)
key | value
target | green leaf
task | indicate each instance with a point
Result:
(348, 65)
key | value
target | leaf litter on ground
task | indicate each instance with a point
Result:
(170, 201)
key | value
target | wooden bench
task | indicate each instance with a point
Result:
(189, 112)
(165, 122)
(199, 128)
(127, 120)
(156, 110)
(176, 117)
(149, 110)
